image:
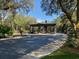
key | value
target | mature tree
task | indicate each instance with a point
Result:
(16, 5)
(57, 6)
(67, 8)
(20, 22)
(77, 11)
(24, 21)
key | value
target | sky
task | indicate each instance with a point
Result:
(39, 14)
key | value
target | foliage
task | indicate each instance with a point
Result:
(55, 6)
(63, 53)
(64, 26)
(15, 6)
(77, 26)
(23, 21)
(20, 23)
(58, 23)
(5, 30)
(68, 7)
(71, 42)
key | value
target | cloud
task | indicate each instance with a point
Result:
(40, 20)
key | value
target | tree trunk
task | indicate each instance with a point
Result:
(77, 11)
(69, 16)
(13, 17)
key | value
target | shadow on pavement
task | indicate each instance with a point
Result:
(16, 48)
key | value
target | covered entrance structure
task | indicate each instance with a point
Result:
(42, 28)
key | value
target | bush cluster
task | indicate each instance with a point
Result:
(5, 31)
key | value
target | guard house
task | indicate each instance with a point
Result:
(42, 28)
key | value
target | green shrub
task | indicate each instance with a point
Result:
(5, 30)
(71, 38)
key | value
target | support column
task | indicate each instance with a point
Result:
(55, 30)
(39, 29)
(45, 28)
(30, 29)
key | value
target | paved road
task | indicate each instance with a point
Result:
(30, 47)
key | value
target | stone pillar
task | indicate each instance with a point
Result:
(30, 29)
(45, 28)
(55, 30)
(39, 29)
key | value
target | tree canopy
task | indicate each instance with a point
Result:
(65, 7)
(55, 6)
(14, 6)
(23, 21)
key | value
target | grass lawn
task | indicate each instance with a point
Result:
(63, 53)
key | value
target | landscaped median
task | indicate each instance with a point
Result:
(63, 53)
